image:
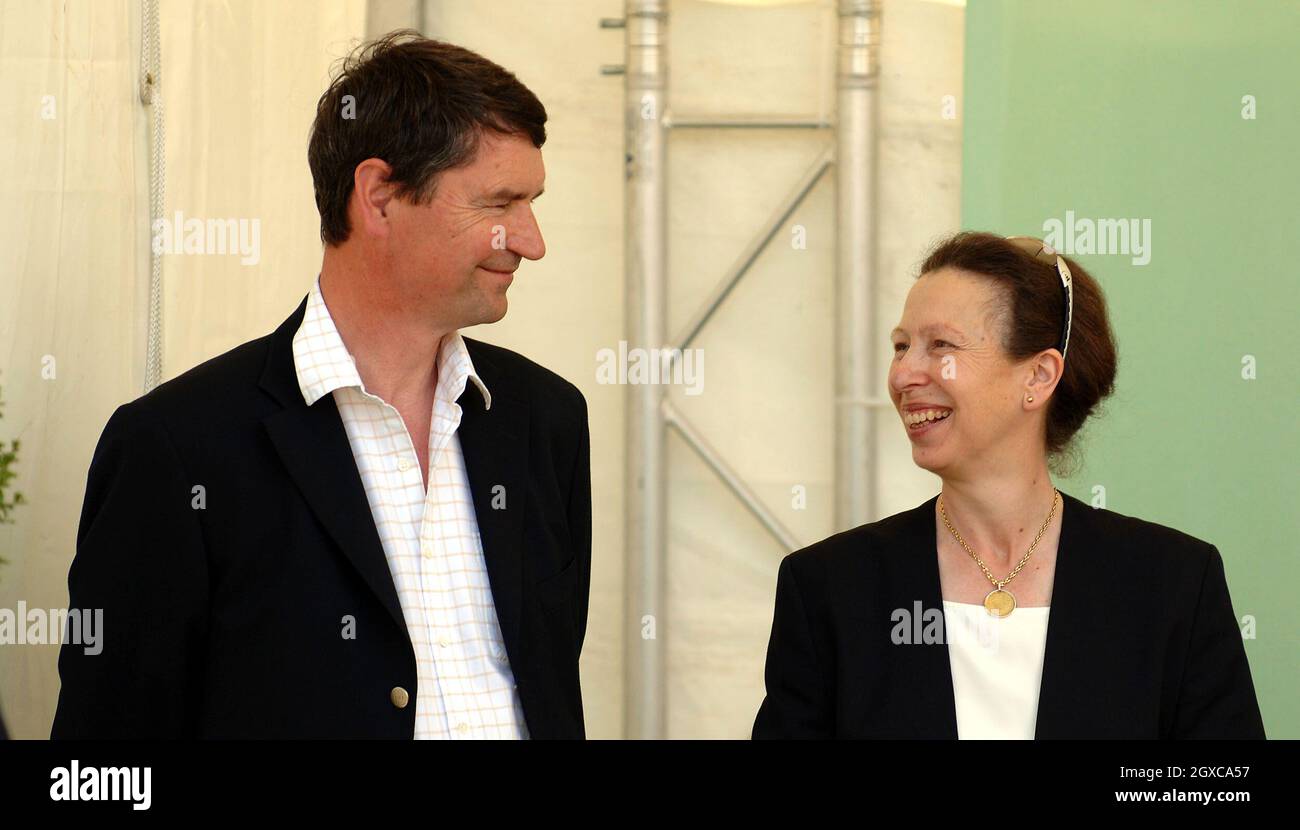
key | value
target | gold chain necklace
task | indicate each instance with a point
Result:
(1000, 602)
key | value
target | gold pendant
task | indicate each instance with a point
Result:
(999, 603)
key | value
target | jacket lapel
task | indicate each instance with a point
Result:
(1072, 664)
(929, 677)
(495, 446)
(313, 444)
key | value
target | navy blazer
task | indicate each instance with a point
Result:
(228, 621)
(1142, 641)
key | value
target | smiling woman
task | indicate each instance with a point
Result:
(990, 321)
(1003, 351)
(1027, 307)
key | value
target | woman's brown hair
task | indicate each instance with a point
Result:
(1031, 309)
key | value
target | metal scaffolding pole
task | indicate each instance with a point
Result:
(646, 246)
(649, 412)
(855, 371)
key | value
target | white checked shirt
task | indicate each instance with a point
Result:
(465, 686)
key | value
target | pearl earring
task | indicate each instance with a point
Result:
(1030, 399)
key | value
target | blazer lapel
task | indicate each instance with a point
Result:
(495, 446)
(313, 444)
(929, 676)
(1073, 665)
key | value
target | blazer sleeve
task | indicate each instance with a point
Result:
(579, 516)
(1216, 698)
(141, 563)
(798, 702)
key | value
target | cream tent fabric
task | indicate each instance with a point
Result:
(73, 193)
(240, 80)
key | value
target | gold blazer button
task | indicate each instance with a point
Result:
(399, 697)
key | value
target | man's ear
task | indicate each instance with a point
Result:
(371, 193)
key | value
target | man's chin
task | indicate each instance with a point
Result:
(493, 311)
(498, 315)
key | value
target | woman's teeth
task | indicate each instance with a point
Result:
(914, 419)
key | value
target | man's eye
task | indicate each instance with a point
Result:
(944, 342)
(898, 347)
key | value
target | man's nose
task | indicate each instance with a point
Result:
(525, 238)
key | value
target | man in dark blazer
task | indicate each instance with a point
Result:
(1154, 654)
(230, 531)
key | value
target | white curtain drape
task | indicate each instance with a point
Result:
(240, 82)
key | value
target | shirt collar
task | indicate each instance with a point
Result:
(323, 363)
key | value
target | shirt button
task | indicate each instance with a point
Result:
(399, 697)
(462, 727)
(404, 465)
(426, 552)
(444, 642)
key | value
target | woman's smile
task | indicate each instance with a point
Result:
(925, 421)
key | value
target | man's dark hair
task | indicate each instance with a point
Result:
(421, 105)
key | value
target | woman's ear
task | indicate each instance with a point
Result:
(1045, 372)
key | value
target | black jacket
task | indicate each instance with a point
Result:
(228, 621)
(1142, 641)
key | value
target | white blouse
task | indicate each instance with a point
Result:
(997, 669)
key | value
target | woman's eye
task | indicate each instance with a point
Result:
(898, 347)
